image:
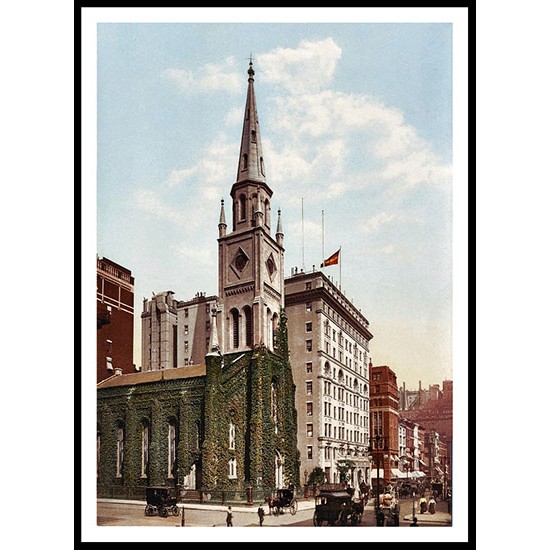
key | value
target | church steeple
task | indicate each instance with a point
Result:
(251, 160)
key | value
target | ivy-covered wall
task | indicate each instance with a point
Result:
(156, 404)
(243, 389)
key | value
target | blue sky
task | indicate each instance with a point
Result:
(356, 121)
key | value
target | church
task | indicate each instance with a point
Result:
(218, 412)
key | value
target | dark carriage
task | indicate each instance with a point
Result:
(285, 499)
(337, 508)
(161, 501)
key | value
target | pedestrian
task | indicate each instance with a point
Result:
(261, 514)
(182, 516)
(431, 505)
(415, 522)
(229, 517)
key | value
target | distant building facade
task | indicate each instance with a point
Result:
(115, 319)
(384, 423)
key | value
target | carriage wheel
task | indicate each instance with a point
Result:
(316, 520)
(343, 518)
(276, 510)
(149, 510)
(293, 507)
(163, 512)
(175, 510)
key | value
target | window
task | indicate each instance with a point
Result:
(232, 468)
(109, 363)
(207, 308)
(274, 405)
(186, 313)
(309, 387)
(309, 408)
(248, 323)
(232, 436)
(309, 430)
(186, 346)
(308, 286)
(171, 448)
(309, 326)
(308, 306)
(119, 449)
(186, 329)
(310, 452)
(144, 449)
(308, 345)
(309, 366)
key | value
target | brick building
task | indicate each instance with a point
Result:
(115, 319)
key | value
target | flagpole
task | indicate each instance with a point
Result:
(303, 261)
(340, 262)
(323, 235)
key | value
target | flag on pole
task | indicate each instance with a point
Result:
(332, 260)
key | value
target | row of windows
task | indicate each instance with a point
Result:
(186, 311)
(341, 321)
(171, 450)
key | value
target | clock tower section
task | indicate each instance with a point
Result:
(250, 260)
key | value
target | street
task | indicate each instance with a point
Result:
(124, 513)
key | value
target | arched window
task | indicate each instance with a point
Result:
(253, 136)
(242, 207)
(235, 327)
(269, 328)
(232, 436)
(248, 325)
(172, 444)
(274, 327)
(119, 448)
(274, 405)
(245, 161)
(232, 468)
(267, 213)
(144, 448)
(262, 166)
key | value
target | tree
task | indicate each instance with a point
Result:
(316, 477)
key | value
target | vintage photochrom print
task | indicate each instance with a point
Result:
(279, 244)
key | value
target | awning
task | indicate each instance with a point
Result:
(398, 473)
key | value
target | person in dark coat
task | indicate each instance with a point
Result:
(415, 522)
(229, 517)
(261, 514)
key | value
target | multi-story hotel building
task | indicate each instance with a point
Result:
(329, 353)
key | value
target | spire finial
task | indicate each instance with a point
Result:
(250, 68)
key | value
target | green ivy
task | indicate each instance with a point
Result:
(237, 389)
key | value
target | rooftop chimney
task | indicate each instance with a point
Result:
(118, 371)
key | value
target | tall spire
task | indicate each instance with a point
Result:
(279, 235)
(251, 161)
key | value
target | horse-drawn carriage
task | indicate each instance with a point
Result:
(337, 508)
(160, 500)
(284, 499)
(387, 513)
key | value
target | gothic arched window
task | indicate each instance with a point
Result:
(119, 448)
(172, 443)
(248, 325)
(144, 448)
(242, 207)
(235, 327)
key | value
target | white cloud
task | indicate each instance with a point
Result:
(337, 125)
(309, 67)
(150, 202)
(234, 116)
(211, 170)
(372, 225)
(209, 78)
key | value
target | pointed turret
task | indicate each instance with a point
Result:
(222, 226)
(279, 234)
(251, 160)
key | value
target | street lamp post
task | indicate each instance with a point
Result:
(378, 444)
